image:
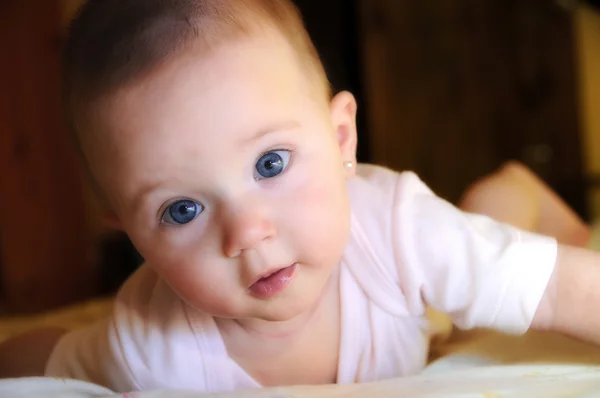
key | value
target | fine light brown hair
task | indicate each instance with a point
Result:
(113, 43)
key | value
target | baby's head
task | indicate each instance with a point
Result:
(209, 127)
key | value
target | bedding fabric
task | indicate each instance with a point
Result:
(527, 381)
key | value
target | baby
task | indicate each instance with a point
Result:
(271, 257)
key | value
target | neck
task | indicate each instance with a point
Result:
(277, 330)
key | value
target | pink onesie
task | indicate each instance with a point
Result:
(408, 249)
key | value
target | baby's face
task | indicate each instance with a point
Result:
(226, 168)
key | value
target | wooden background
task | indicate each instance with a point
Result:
(43, 229)
(457, 87)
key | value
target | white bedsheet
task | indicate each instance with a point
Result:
(516, 381)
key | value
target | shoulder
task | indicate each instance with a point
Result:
(143, 294)
(373, 182)
(157, 332)
(152, 340)
(381, 201)
(379, 195)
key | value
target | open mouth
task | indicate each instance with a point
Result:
(273, 283)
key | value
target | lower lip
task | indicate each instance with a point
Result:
(274, 283)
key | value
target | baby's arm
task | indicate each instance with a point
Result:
(515, 195)
(571, 302)
(27, 354)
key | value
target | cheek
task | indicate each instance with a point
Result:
(207, 295)
(320, 214)
(193, 272)
(204, 286)
(174, 247)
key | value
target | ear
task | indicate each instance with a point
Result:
(343, 116)
(111, 221)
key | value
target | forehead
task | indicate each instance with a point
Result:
(207, 100)
(237, 76)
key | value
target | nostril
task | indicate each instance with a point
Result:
(233, 253)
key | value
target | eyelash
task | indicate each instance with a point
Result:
(165, 208)
(290, 156)
(291, 151)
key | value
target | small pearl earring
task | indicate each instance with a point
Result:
(348, 165)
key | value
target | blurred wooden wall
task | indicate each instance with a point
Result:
(588, 57)
(456, 87)
(44, 237)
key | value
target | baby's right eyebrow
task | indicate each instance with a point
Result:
(140, 196)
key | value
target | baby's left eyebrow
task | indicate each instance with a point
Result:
(277, 127)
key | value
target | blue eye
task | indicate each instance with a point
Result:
(271, 164)
(181, 212)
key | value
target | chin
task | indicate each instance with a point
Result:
(281, 316)
(285, 310)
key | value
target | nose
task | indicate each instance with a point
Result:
(245, 229)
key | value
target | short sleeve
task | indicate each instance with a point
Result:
(95, 353)
(91, 354)
(480, 272)
(146, 343)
